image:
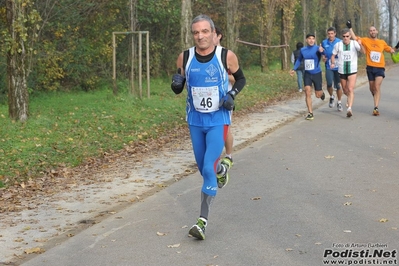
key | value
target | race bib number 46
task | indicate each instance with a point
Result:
(205, 99)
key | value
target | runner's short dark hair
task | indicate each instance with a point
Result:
(331, 29)
(219, 32)
(299, 45)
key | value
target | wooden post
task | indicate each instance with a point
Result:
(115, 89)
(148, 64)
(140, 64)
(140, 33)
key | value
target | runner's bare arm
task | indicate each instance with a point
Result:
(179, 63)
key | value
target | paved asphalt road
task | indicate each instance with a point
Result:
(308, 193)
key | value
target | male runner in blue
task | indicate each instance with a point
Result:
(311, 55)
(332, 75)
(204, 69)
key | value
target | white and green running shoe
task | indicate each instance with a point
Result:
(223, 176)
(198, 229)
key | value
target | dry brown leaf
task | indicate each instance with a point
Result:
(347, 203)
(174, 246)
(41, 240)
(329, 156)
(161, 234)
(383, 220)
(288, 249)
(36, 250)
(256, 198)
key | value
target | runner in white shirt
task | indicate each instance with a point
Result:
(347, 51)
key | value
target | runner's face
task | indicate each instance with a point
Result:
(311, 40)
(331, 35)
(373, 32)
(203, 35)
(346, 37)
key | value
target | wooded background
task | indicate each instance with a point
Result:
(50, 45)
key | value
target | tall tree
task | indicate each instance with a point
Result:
(233, 23)
(331, 13)
(305, 17)
(21, 22)
(390, 8)
(287, 18)
(186, 17)
(268, 17)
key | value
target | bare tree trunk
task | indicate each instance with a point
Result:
(391, 21)
(395, 14)
(268, 18)
(186, 17)
(287, 18)
(283, 39)
(233, 24)
(305, 17)
(331, 13)
(133, 26)
(18, 97)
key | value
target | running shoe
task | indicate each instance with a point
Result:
(223, 176)
(331, 104)
(339, 107)
(376, 112)
(309, 116)
(323, 96)
(300, 90)
(198, 229)
(229, 158)
(349, 112)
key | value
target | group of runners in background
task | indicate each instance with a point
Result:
(340, 57)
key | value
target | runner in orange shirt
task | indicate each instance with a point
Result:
(374, 49)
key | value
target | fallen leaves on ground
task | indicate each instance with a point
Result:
(256, 198)
(35, 250)
(30, 194)
(174, 246)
